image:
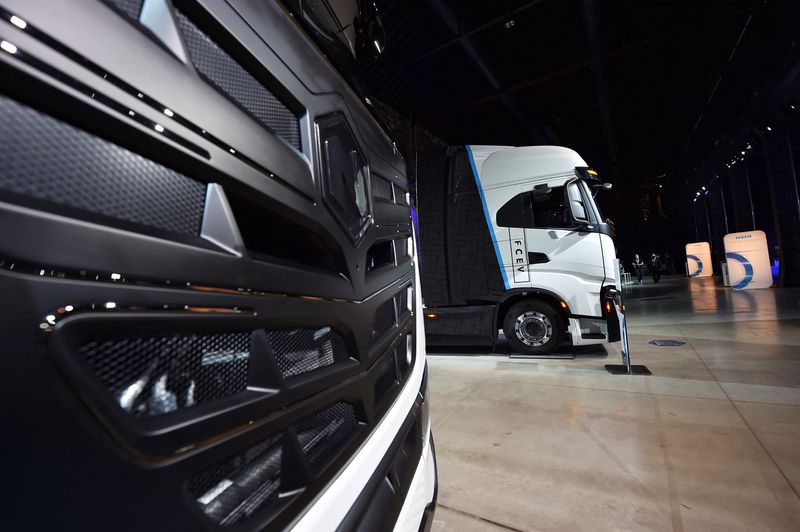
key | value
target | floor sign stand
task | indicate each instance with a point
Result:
(626, 368)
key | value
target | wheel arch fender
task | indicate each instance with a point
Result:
(516, 295)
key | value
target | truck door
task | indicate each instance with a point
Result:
(557, 255)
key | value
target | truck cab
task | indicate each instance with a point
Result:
(546, 256)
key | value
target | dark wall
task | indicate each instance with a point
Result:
(760, 193)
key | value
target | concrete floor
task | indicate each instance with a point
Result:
(710, 442)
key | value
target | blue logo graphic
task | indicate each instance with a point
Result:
(699, 265)
(748, 269)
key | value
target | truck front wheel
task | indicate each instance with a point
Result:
(533, 328)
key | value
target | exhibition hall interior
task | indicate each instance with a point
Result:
(400, 265)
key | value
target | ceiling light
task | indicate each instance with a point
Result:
(769, 128)
(8, 47)
(18, 22)
(510, 24)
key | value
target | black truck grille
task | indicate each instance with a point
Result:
(323, 435)
(155, 375)
(218, 363)
(231, 491)
(237, 83)
(299, 351)
(384, 319)
(50, 160)
(130, 8)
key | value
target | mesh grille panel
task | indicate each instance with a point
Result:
(154, 375)
(381, 188)
(50, 160)
(322, 436)
(299, 351)
(384, 319)
(131, 8)
(231, 491)
(237, 84)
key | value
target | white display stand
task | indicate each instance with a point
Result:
(747, 256)
(698, 259)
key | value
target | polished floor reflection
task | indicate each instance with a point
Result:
(710, 442)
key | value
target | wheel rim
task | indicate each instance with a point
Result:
(533, 328)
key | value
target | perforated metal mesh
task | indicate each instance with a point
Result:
(324, 435)
(131, 8)
(229, 492)
(154, 375)
(381, 188)
(47, 159)
(383, 319)
(237, 84)
(299, 351)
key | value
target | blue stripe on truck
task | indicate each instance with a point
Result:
(488, 219)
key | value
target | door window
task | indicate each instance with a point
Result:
(529, 211)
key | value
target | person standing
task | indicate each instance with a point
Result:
(655, 267)
(638, 268)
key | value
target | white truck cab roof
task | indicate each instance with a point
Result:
(506, 165)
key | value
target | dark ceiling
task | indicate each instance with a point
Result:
(639, 87)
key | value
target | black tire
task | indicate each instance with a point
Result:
(533, 336)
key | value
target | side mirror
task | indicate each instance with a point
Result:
(578, 212)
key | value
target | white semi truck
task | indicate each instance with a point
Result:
(511, 238)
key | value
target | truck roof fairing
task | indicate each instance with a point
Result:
(503, 165)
